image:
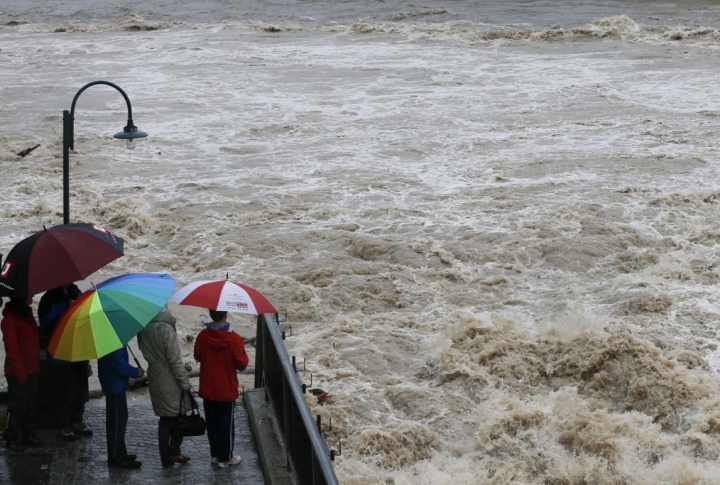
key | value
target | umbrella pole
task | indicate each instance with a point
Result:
(133, 354)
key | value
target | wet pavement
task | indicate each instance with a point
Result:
(84, 462)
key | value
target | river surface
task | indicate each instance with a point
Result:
(492, 225)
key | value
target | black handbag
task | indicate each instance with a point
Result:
(192, 424)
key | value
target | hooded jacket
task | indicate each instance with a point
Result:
(53, 304)
(21, 336)
(167, 377)
(220, 353)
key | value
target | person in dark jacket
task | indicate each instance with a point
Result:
(63, 385)
(221, 353)
(115, 372)
(21, 337)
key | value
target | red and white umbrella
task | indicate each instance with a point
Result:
(225, 296)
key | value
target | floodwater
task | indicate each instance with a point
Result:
(492, 225)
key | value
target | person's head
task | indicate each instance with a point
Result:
(218, 316)
(165, 316)
(21, 300)
(20, 305)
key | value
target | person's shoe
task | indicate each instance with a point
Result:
(66, 434)
(131, 456)
(214, 460)
(14, 446)
(175, 459)
(34, 442)
(82, 429)
(234, 460)
(128, 464)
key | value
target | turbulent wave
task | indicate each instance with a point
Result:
(620, 28)
(408, 24)
(577, 403)
(130, 21)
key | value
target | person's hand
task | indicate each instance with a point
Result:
(186, 387)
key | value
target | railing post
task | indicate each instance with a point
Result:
(259, 354)
(286, 412)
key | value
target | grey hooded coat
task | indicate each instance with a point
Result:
(166, 372)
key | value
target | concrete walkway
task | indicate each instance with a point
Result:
(84, 462)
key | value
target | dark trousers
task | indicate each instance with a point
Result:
(116, 418)
(220, 419)
(168, 443)
(72, 386)
(63, 394)
(22, 398)
(81, 391)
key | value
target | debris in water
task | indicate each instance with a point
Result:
(27, 151)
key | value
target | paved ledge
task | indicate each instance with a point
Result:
(270, 446)
(84, 462)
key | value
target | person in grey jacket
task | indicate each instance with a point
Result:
(168, 382)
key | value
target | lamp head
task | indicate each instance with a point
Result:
(129, 134)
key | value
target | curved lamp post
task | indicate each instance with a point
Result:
(129, 133)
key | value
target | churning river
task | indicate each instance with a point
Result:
(493, 225)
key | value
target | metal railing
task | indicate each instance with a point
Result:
(306, 450)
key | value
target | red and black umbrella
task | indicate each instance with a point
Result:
(57, 256)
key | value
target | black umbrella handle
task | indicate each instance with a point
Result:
(136, 361)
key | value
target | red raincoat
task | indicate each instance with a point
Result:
(21, 335)
(220, 353)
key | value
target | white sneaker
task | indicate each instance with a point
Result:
(214, 460)
(232, 461)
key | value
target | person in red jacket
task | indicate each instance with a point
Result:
(21, 336)
(221, 353)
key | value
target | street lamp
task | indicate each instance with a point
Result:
(129, 133)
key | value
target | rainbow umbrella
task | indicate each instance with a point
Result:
(105, 318)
